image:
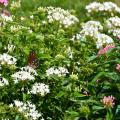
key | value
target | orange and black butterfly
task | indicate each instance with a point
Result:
(32, 60)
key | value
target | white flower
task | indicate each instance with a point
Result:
(30, 31)
(70, 53)
(60, 71)
(15, 4)
(6, 17)
(91, 28)
(78, 36)
(95, 6)
(116, 32)
(18, 103)
(62, 16)
(22, 75)
(104, 7)
(29, 69)
(7, 59)
(113, 22)
(31, 16)
(26, 73)
(10, 47)
(22, 18)
(3, 81)
(40, 88)
(113, 25)
(16, 28)
(28, 109)
(102, 40)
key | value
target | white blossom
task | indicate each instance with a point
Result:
(102, 40)
(7, 59)
(10, 47)
(60, 71)
(78, 36)
(16, 28)
(40, 88)
(70, 53)
(22, 75)
(102, 7)
(15, 4)
(28, 109)
(22, 18)
(113, 25)
(29, 69)
(26, 73)
(62, 16)
(31, 17)
(91, 28)
(6, 17)
(3, 81)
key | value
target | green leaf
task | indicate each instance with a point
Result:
(97, 108)
(97, 77)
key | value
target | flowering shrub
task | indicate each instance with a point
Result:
(54, 66)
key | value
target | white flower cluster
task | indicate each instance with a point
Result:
(15, 4)
(7, 59)
(116, 32)
(10, 47)
(103, 7)
(3, 81)
(91, 28)
(78, 36)
(26, 73)
(22, 75)
(113, 25)
(30, 70)
(69, 53)
(28, 109)
(16, 28)
(102, 40)
(6, 18)
(60, 71)
(40, 88)
(62, 16)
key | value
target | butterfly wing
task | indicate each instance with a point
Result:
(32, 60)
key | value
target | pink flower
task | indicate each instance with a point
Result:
(5, 2)
(108, 101)
(105, 49)
(118, 67)
(118, 37)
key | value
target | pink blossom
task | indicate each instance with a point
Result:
(105, 49)
(118, 37)
(118, 67)
(5, 2)
(108, 101)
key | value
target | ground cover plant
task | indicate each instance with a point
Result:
(57, 63)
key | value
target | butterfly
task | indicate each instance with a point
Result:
(32, 60)
(6, 13)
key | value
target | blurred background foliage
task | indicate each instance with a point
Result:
(77, 5)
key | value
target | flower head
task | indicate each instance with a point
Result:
(108, 101)
(5, 2)
(105, 49)
(40, 88)
(118, 67)
(28, 108)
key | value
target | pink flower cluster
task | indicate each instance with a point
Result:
(108, 101)
(105, 49)
(5, 2)
(118, 67)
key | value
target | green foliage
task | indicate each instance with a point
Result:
(77, 95)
